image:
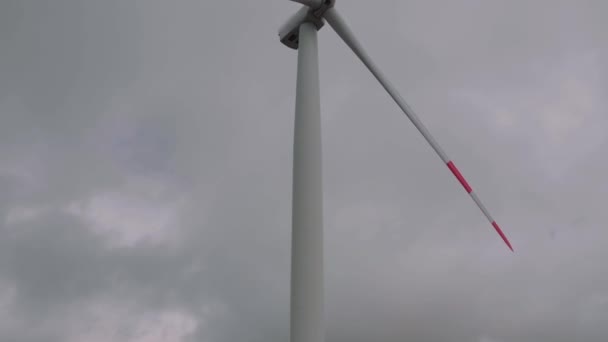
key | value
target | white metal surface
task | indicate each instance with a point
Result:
(310, 3)
(307, 295)
(307, 292)
(289, 33)
(339, 25)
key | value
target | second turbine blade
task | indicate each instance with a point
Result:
(339, 25)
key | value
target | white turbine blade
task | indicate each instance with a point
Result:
(310, 3)
(339, 25)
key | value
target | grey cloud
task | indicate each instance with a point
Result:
(98, 95)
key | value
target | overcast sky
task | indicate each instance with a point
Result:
(145, 172)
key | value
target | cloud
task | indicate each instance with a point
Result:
(145, 172)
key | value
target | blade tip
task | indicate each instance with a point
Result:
(503, 236)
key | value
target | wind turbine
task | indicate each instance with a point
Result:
(300, 33)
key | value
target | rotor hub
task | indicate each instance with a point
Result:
(290, 31)
(325, 5)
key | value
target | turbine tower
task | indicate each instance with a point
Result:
(300, 33)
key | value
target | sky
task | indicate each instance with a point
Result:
(145, 171)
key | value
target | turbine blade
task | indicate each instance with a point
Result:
(310, 3)
(339, 25)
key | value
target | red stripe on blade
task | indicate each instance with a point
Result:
(459, 176)
(502, 235)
